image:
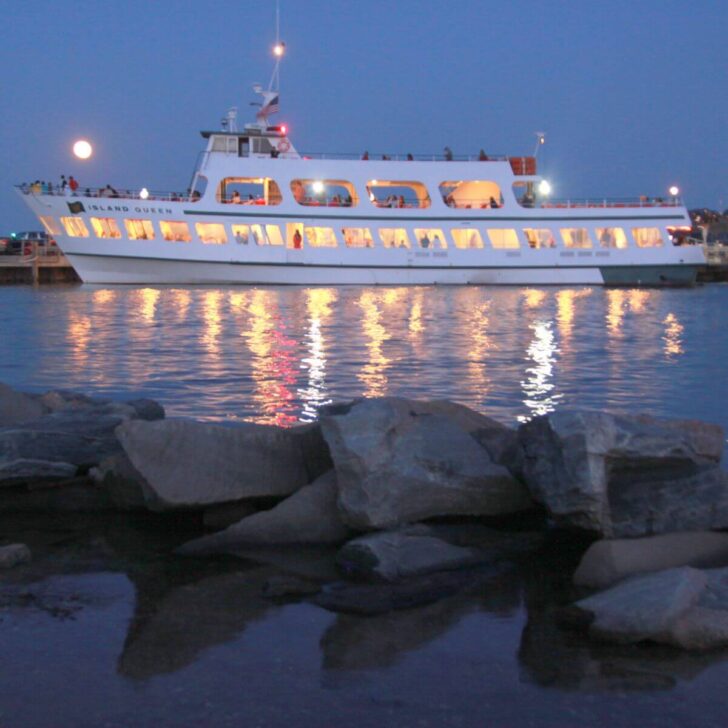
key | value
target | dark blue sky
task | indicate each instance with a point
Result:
(632, 95)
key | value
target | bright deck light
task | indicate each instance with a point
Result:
(318, 187)
(544, 187)
(82, 149)
(279, 49)
(674, 190)
(144, 193)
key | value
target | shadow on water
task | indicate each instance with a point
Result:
(182, 608)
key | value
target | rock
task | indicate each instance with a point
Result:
(396, 555)
(626, 475)
(286, 587)
(122, 481)
(607, 562)
(22, 470)
(75, 495)
(315, 451)
(308, 516)
(397, 463)
(222, 515)
(194, 464)
(700, 629)
(644, 607)
(16, 407)
(370, 599)
(14, 554)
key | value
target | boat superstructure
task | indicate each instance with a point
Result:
(258, 211)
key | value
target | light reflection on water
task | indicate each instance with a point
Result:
(276, 354)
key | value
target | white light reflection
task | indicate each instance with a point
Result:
(538, 387)
(673, 336)
(319, 301)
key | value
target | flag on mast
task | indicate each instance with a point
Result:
(269, 106)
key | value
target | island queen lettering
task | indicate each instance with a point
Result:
(78, 207)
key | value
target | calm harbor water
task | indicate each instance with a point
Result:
(275, 354)
(106, 628)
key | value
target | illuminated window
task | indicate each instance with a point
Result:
(139, 229)
(471, 193)
(357, 237)
(50, 224)
(249, 191)
(324, 193)
(394, 238)
(211, 233)
(74, 227)
(241, 233)
(177, 231)
(540, 238)
(647, 237)
(576, 237)
(397, 194)
(503, 238)
(321, 237)
(611, 237)
(273, 233)
(105, 227)
(467, 238)
(430, 238)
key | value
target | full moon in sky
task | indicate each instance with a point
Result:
(82, 149)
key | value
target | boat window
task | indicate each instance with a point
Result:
(357, 237)
(471, 193)
(211, 233)
(647, 237)
(321, 237)
(139, 229)
(394, 238)
(611, 237)
(503, 238)
(50, 224)
(74, 227)
(525, 194)
(430, 238)
(227, 144)
(273, 233)
(467, 238)
(244, 147)
(540, 238)
(249, 191)
(324, 193)
(576, 237)
(261, 145)
(399, 194)
(177, 231)
(241, 233)
(105, 227)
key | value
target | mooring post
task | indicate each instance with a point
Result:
(36, 265)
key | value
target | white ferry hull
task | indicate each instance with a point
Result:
(124, 270)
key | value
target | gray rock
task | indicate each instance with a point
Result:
(316, 455)
(700, 629)
(285, 587)
(396, 555)
(644, 607)
(16, 407)
(13, 472)
(122, 481)
(14, 554)
(222, 515)
(626, 475)
(194, 464)
(308, 516)
(607, 562)
(398, 463)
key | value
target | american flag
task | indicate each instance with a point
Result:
(270, 104)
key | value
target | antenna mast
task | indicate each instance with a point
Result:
(278, 50)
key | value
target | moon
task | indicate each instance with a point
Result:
(82, 149)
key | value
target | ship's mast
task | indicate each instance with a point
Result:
(270, 101)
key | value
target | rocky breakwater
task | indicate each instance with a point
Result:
(416, 500)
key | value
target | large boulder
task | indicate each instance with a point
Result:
(396, 555)
(400, 461)
(682, 607)
(611, 560)
(626, 476)
(16, 407)
(308, 516)
(188, 464)
(14, 554)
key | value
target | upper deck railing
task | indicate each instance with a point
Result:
(406, 202)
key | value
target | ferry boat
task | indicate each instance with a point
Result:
(259, 212)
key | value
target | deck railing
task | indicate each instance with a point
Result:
(106, 192)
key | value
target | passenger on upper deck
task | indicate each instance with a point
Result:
(483, 157)
(448, 154)
(493, 202)
(236, 198)
(365, 155)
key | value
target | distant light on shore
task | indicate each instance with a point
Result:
(82, 149)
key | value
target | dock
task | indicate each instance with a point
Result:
(717, 268)
(37, 268)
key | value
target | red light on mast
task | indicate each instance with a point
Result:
(284, 129)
